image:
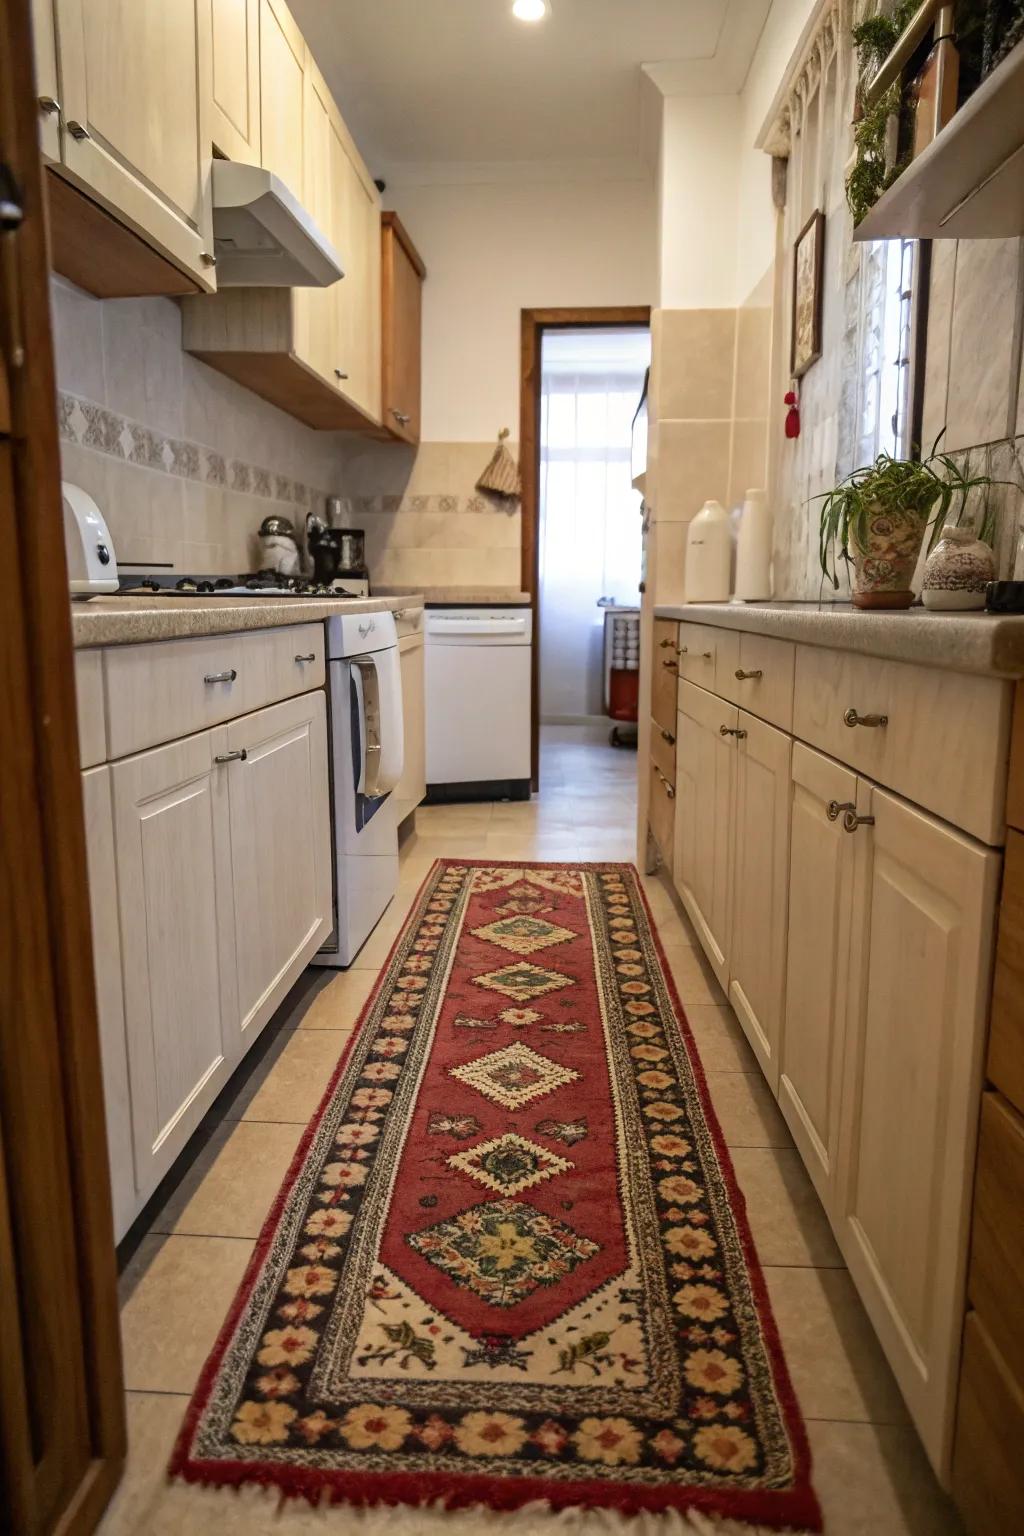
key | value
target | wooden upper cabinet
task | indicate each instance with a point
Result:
(44, 44)
(135, 93)
(359, 303)
(402, 275)
(235, 79)
(283, 64)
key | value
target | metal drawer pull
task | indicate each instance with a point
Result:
(742, 676)
(399, 613)
(339, 373)
(836, 808)
(682, 649)
(707, 656)
(666, 645)
(851, 821)
(401, 417)
(49, 104)
(669, 790)
(667, 736)
(207, 258)
(670, 665)
(231, 757)
(77, 130)
(310, 657)
(732, 730)
(221, 677)
(852, 718)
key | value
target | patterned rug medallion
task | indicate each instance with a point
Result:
(510, 1262)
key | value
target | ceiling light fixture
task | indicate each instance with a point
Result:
(530, 10)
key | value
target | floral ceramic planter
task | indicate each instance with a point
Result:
(957, 571)
(884, 554)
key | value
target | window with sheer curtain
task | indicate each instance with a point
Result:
(590, 534)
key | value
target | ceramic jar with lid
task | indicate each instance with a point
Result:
(957, 571)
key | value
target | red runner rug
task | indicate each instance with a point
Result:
(510, 1261)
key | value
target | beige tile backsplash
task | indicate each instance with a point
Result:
(983, 357)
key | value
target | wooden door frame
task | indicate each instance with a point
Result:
(533, 324)
(61, 1458)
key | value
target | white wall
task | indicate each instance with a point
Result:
(492, 250)
(698, 189)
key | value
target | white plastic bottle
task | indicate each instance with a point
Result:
(754, 549)
(708, 552)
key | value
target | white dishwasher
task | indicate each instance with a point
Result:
(478, 665)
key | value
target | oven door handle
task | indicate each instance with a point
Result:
(367, 686)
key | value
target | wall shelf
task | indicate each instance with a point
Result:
(969, 183)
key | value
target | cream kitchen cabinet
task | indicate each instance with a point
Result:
(705, 791)
(759, 886)
(235, 79)
(134, 119)
(817, 975)
(282, 84)
(412, 786)
(920, 975)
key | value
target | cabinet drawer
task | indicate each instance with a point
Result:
(945, 743)
(409, 621)
(699, 646)
(92, 728)
(988, 1472)
(663, 750)
(169, 689)
(765, 688)
(996, 1281)
(662, 814)
(664, 673)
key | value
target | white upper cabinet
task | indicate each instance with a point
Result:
(235, 79)
(924, 903)
(760, 886)
(135, 92)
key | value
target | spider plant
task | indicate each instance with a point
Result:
(927, 492)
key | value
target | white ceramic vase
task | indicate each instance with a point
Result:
(957, 571)
(708, 555)
(754, 549)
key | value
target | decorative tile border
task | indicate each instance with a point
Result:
(89, 425)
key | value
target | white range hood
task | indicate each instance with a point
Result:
(263, 236)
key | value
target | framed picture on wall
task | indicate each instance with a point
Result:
(808, 263)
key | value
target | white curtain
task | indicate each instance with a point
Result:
(590, 533)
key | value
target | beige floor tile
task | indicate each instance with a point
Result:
(721, 1043)
(746, 1110)
(875, 1480)
(339, 1000)
(834, 1358)
(175, 1295)
(289, 1083)
(448, 845)
(374, 953)
(540, 848)
(695, 981)
(233, 1182)
(786, 1217)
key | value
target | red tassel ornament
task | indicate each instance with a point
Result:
(793, 414)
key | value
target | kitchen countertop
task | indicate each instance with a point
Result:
(131, 620)
(962, 642)
(465, 597)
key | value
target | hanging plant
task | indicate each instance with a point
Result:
(874, 39)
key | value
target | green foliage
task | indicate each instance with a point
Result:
(874, 39)
(908, 491)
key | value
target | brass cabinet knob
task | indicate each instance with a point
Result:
(851, 821)
(77, 130)
(49, 105)
(743, 677)
(851, 718)
(667, 736)
(732, 730)
(835, 808)
(231, 757)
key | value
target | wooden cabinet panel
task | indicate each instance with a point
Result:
(705, 780)
(1006, 1042)
(175, 898)
(402, 274)
(766, 685)
(760, 887)
(665, 674)
(282, 95)
(662, 815)
(946, 742)
(996, 1281)
(235, 78)
(924, 900)
(663, 750)
(820, 906)
(316, 309)
(280, 839)
(699, 647)
(44, 48)
(92, 725)
(106, 952)
(359, 301)
(988, 1472)
(412, 786)
(135, 84)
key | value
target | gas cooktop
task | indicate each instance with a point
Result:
(260, 584)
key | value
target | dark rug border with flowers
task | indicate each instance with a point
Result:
(781, 1498)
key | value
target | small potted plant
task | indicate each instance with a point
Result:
(876, 518)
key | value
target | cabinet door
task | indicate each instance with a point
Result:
(316, 309)
(820, 906)
(280, 850)
(44, 47)
(106, 954)
(412, 786)
(357, 227)
(174, 898)
(705, 785)
(402, 322)
(760, 887)
(282, 94)
(924, 901)
(235, 78)
(135, 81)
